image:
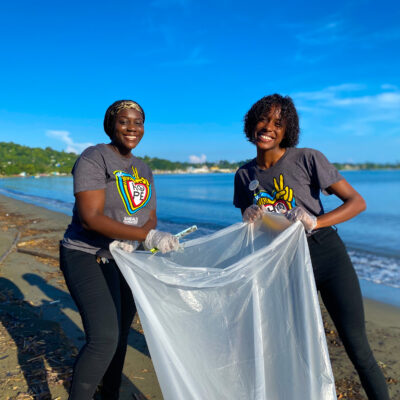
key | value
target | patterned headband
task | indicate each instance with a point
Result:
(125, 105)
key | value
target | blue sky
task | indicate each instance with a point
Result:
(196, 67)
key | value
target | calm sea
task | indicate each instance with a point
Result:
(372, 238)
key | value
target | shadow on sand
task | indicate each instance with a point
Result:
(45, 354)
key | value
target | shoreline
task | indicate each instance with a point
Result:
(40, 328)
(41, 286)
(194, 171)
(371, 290)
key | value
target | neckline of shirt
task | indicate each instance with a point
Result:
(116, 154)
(275, 165)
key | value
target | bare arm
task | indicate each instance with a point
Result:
(353, 204)
(91, 212)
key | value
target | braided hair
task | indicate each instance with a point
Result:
(112, 113)
(289, 117)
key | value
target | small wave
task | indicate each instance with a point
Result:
(376, 268)
(209, 227)
(51, 204)
(381, 268)
(176, 227)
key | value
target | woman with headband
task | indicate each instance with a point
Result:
(115, 198)
(289, 180)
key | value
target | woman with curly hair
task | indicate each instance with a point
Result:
(114, 199)
(289, 180)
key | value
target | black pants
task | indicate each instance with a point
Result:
(338, 285)
(107, 308)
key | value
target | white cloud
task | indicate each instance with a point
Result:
(346, 87)
(343, 95)
(331, 92)
(388, 86)
(348, 120)
(390, 99)
(198, 159)
(322, 34)
(64, 136)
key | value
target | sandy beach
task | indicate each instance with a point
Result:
(41, 331)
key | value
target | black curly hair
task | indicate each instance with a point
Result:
(114, 109)
(289, 117)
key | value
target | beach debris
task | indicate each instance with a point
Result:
(179, 236)
(20, 222)
(139, 396)
(38, 355)
(348, 389)
(35, 247)
(36, 253)
(14, 243)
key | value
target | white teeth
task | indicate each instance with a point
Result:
(263, 137)
(131, 137)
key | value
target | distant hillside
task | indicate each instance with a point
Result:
(16, 159)
(159, 164)
(366, 165)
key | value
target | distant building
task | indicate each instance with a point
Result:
(201, 170)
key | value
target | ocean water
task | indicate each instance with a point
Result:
(372, 238)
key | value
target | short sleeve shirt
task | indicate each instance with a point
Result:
(129, 194)
(297, 179)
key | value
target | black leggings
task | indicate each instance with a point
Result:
(338, 285)
(107, 308)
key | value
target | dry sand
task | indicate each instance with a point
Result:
(40, 329)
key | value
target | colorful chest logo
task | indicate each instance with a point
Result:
(135, 192)
(280, 200)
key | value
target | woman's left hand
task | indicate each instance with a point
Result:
(300, 214)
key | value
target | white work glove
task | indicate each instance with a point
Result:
(163, 241)
(300, 214)
(127, 245)
(252, 213)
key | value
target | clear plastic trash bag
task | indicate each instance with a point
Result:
(234, 315)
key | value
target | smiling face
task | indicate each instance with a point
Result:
(128, 130)
(270, 131)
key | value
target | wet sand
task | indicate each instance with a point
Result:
(41, 331)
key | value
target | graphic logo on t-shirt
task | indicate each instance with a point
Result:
(280, 200)
(135, 192)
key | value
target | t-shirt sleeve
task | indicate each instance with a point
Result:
(324, 172)
(89, 172)
(240, 194)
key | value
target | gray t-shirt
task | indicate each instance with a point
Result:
(129, 194)
(295, 180)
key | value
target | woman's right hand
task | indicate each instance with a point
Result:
(308, 220)
(252, 214)
(163, 241)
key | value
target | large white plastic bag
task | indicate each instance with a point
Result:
(233, 316)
